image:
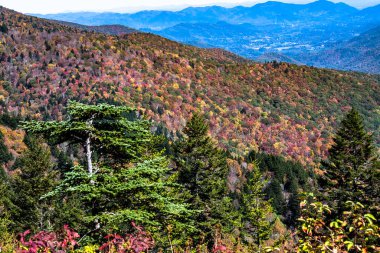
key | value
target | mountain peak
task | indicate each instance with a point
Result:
(328, 5)
(323, 2)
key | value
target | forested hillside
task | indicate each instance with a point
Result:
(291, 32)
(276, 107)
(361, 53)
(135, 143)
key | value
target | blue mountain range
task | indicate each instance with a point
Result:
(289, 31)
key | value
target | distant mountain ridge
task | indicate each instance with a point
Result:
(270, 12)
(106, 29)
(362, 53)
(271, 30)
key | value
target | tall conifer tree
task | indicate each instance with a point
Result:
(126, 177)
(349, 168)
(256, 211)
(35, 178)
(202, 169)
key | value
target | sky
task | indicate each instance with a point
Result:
(57, 6)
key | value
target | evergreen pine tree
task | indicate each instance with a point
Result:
(3, 28)
(126, 177)
(6, 204)
(256, 210)
(274, 191)
(6, 207)
(103, 130)
(348, 170)
(35, 178)
(202, 170)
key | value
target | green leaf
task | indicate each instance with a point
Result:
(349, 244)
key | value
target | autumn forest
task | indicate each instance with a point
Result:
(135, 143)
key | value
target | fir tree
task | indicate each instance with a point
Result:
(117, 196)
(6, 207)
(36, 177)
(4, 28)
(348, 170)
(104, 129)
(126, 178)
(256, 210)
(274, 191)
(292, 175)
(202, 170)
(6, 204)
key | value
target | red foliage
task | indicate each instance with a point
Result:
(220, 248)
(139, 241)
(250, 106)
(47, 241)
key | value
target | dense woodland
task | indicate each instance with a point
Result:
(275, 108)
(139, 144)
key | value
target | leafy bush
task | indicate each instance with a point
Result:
(48, 241)
(355, 231)
(140, 241)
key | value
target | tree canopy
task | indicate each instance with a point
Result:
(202, 170)
(349, 172)
(130, 180)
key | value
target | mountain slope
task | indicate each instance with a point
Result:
(276, 108)
(361, 53)
(272, 27)
(368, 15)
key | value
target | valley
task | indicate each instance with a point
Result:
(295, 31)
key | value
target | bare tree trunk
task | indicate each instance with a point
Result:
(88, 148)
(88, 154)
(90, 166)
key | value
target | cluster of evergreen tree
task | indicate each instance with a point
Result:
(103, 168)
(111, 170)
(286, 177)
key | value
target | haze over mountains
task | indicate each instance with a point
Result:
(287, 31)
(360, 53)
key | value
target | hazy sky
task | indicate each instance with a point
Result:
(54, 6)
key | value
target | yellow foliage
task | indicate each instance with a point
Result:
(7, 242)
(13, 139)
(88, 249)
(203, 104)
(176, 86)
(278, 146)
